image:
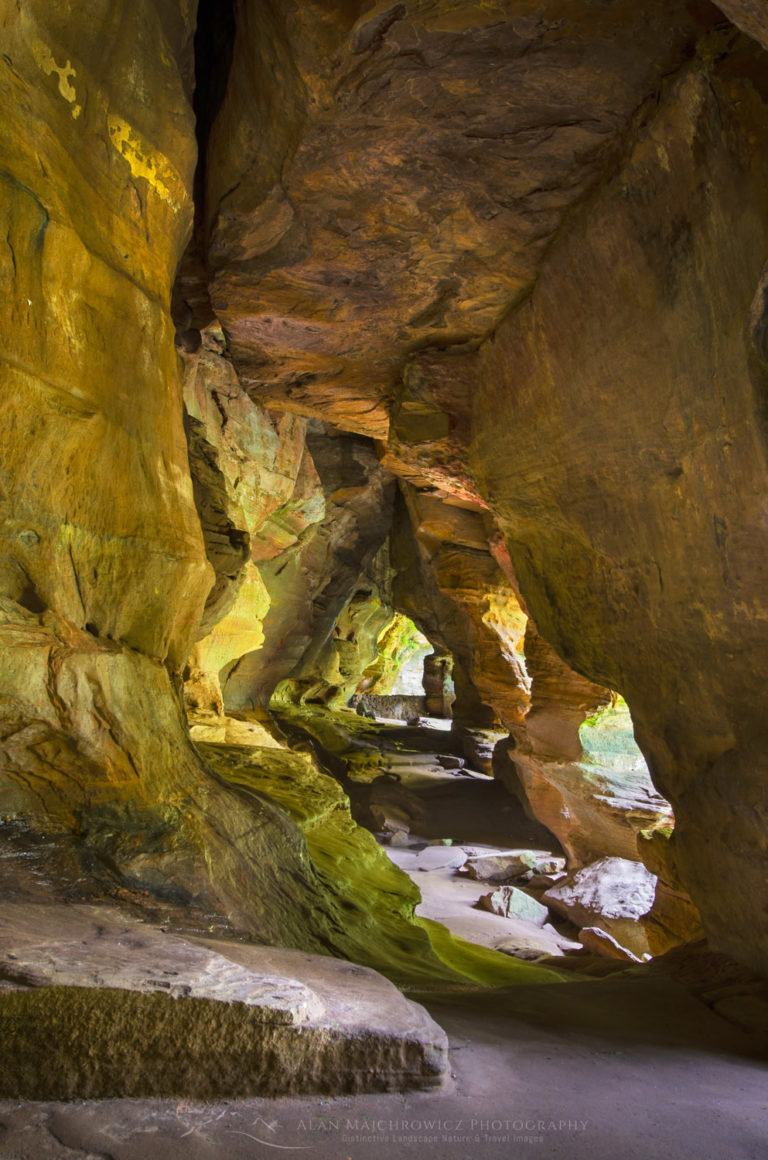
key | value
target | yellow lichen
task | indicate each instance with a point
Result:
(146, 162)
(66, 73)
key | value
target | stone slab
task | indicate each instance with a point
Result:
(95, 1004)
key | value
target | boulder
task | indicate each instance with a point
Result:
(401, 838)
(544, 881)
(602, 943)
(96, 1002)
(532, 943)
(513, 864)
(612, 894)
(441, 858)
(509, 902)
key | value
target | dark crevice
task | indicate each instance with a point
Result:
(214, 50)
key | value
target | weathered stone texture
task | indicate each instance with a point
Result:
(524, 242)
(310, 582)
(96, 159)
(379, 180)
(626, 464)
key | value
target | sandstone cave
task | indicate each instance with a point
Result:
(383, 580)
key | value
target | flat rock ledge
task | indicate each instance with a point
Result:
(95, 1004)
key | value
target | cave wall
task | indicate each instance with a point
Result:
(105, 568)
(525, 248)
(311, 580)
(612, 422)
(97, 149)
(632, 491)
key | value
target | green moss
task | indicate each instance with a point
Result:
(369, 915)
(483, 965)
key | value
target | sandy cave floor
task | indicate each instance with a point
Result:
(619, 1069)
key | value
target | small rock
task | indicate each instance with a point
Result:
(509, 902)
(448, 761)
(545, 881)
(535, 943)
(529, 954)
(400, 838)
(602, 943)
(504, 867)
(441, 858)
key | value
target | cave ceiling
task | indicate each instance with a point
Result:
(399, 186)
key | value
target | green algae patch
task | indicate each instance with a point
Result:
(485, 966)
(369, 913)
(370, 902)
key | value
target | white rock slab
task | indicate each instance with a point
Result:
(613, 894)
(95, 946)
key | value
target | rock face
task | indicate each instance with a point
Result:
(686, 475)
(596, 801)
(323, 295)
(310, 583)
(95, 744)
(97, 154)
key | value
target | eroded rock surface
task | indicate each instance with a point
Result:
(682, 466)
(92, 946)
(478, 127)
(95, 1004)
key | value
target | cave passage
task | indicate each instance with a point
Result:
(383, 575)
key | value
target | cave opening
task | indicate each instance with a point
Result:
(409, 680)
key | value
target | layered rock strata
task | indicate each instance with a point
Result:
(94, 1005)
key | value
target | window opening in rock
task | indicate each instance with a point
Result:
(409, 680)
